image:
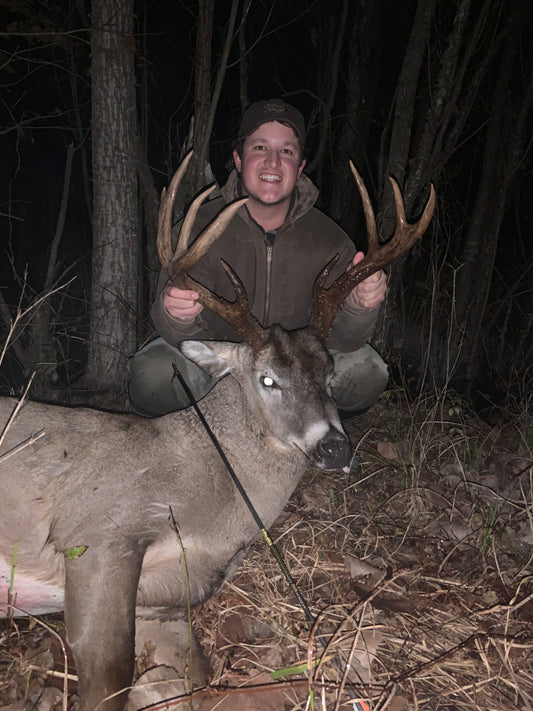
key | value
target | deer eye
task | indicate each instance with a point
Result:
(267, 382)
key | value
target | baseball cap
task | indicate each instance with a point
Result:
(271, 110)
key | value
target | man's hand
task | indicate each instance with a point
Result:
(370, 292)
(181, 303)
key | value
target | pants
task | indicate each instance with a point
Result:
(359, 379)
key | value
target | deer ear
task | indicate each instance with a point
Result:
(216, 358)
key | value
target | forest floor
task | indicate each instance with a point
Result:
(417, 567)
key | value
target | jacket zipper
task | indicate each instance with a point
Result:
(268, 278)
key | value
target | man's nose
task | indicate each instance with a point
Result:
(273, 158)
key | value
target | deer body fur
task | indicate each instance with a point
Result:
(107, 482)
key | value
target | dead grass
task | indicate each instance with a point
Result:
(418, 570)
(417, 567)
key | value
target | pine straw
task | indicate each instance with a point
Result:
(417, 567)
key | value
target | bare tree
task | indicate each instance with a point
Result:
(208, 84)
(334, 36)
(427, 91)
(351, 130)
(43, 45)
(114, 145)
(41, 354)
(506, 145)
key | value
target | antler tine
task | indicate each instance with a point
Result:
(371, 229)
(164, 220)
(185, 258)
(326, 302)
(236, 313)
(178, 263)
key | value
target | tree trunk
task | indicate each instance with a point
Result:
(206, 98)
(442, 103)
(328, 87)
(115, 244)
(392, 318)
(352, 138)
(405, 104)
(479, 253)
(202, 96)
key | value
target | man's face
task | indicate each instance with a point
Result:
(270, 164)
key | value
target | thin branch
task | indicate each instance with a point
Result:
(60, 218)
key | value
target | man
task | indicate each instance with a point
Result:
(277, 244)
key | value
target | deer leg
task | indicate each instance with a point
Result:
(100, 594)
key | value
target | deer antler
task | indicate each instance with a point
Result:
(326, 302)
(177, 263)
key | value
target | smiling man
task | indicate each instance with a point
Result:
(270, 162)
(277, 243)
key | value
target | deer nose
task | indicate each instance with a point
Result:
(333, 451)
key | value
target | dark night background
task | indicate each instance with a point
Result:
(45, 79)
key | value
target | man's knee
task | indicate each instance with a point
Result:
(150, 380)
(152, 386)
(359, 379)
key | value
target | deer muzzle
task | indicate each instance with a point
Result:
(333, 451)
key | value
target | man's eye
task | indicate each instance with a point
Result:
(267, 382)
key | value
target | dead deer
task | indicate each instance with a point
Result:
(87, 503)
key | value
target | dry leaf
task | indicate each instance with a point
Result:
(398, 703)
(358, 568)
(315, 497)
(393, 450)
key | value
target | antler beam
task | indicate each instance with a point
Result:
(327, 302)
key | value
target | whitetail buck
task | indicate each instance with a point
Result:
(107, 482)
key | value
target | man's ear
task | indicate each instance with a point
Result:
(237, 160)
(302, 166)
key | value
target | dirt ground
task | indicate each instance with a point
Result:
(416, 566)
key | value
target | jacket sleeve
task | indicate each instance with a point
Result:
(353, 326)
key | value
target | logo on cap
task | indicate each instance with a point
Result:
(275, 107)
(272, 110)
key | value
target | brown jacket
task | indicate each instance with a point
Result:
(278, 278)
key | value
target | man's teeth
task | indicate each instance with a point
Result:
(270, 178)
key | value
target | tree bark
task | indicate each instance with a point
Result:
(206, 93)
(115, 244)
(392, 318)
(202, 95)
(328, 89)
(405, 104)
(206, 98)
(479, 252)
(357, 109)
